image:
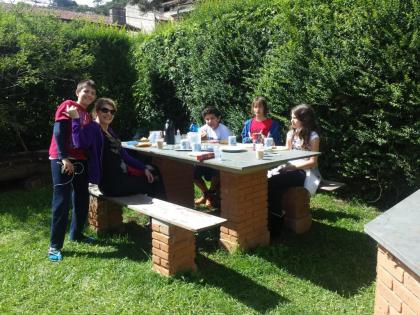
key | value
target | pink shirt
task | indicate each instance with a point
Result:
(60, 114)
(261, 126)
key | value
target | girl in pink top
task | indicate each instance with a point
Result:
(260, 124)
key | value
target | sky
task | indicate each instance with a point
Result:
(46, 2)
(89, 2)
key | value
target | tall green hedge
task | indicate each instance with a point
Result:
(41, 61)
(357, 62)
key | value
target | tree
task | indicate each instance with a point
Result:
(64, 3)
(147, 5)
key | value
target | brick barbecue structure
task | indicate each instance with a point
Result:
(398, 266)
(397, 287)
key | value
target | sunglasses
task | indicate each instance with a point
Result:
(107, 110)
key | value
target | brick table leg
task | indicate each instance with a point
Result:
(295, 202)
(104, 216)
(178, 181)
(244, 205)
(397, 286)
(173, 249)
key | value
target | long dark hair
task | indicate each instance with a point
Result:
(260, 100)
(306, 115)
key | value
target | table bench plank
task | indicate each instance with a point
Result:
(170, 213)
(329, 185)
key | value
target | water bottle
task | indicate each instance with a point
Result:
(193, 127)
(169, 132)
(178, 137)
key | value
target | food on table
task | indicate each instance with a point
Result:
(144, 139)
(143, 144)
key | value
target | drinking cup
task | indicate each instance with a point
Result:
(196, 147)
(185, 144)
(154, 135)
(259, 152)
(232, 140)
(268, 142)
(194, 137)
(159, 143)
(217, 153)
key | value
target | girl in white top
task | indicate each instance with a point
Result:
(303, 135)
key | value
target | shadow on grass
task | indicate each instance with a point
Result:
(334, 258)
(23, 205)
(322, 214)
(238, 286)
(135, 245)
(208, 241)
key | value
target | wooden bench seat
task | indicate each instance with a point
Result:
(329, 185)
(173, 227)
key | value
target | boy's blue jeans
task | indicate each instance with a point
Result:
(68, 189)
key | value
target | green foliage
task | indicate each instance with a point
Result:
(355, 61)
(42, 59)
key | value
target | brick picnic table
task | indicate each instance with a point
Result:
(243, 185)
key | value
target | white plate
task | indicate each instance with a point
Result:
(280, 148)
(232, 148)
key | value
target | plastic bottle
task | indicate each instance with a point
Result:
(178, 137)
(169, 132)
(193, 127)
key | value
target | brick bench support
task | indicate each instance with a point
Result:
(295, 203)
(173, 249)
(105, 217)
(173, 227)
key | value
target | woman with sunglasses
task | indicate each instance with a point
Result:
(109, 164)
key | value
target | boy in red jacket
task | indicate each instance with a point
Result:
(69, 173)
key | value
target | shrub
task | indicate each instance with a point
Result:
(355, 61)
(41, 62)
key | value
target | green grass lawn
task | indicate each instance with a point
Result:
(329, 270)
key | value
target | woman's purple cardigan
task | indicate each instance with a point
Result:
(90, 137)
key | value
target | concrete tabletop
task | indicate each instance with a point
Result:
(398, 231)
(243, 161)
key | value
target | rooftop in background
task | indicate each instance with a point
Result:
(132, 16)
(129, 16)
(45, 3)
(64, 15)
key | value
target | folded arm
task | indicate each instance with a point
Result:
(82, 136)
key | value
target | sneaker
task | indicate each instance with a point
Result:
(54, 254)
(85, 239)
